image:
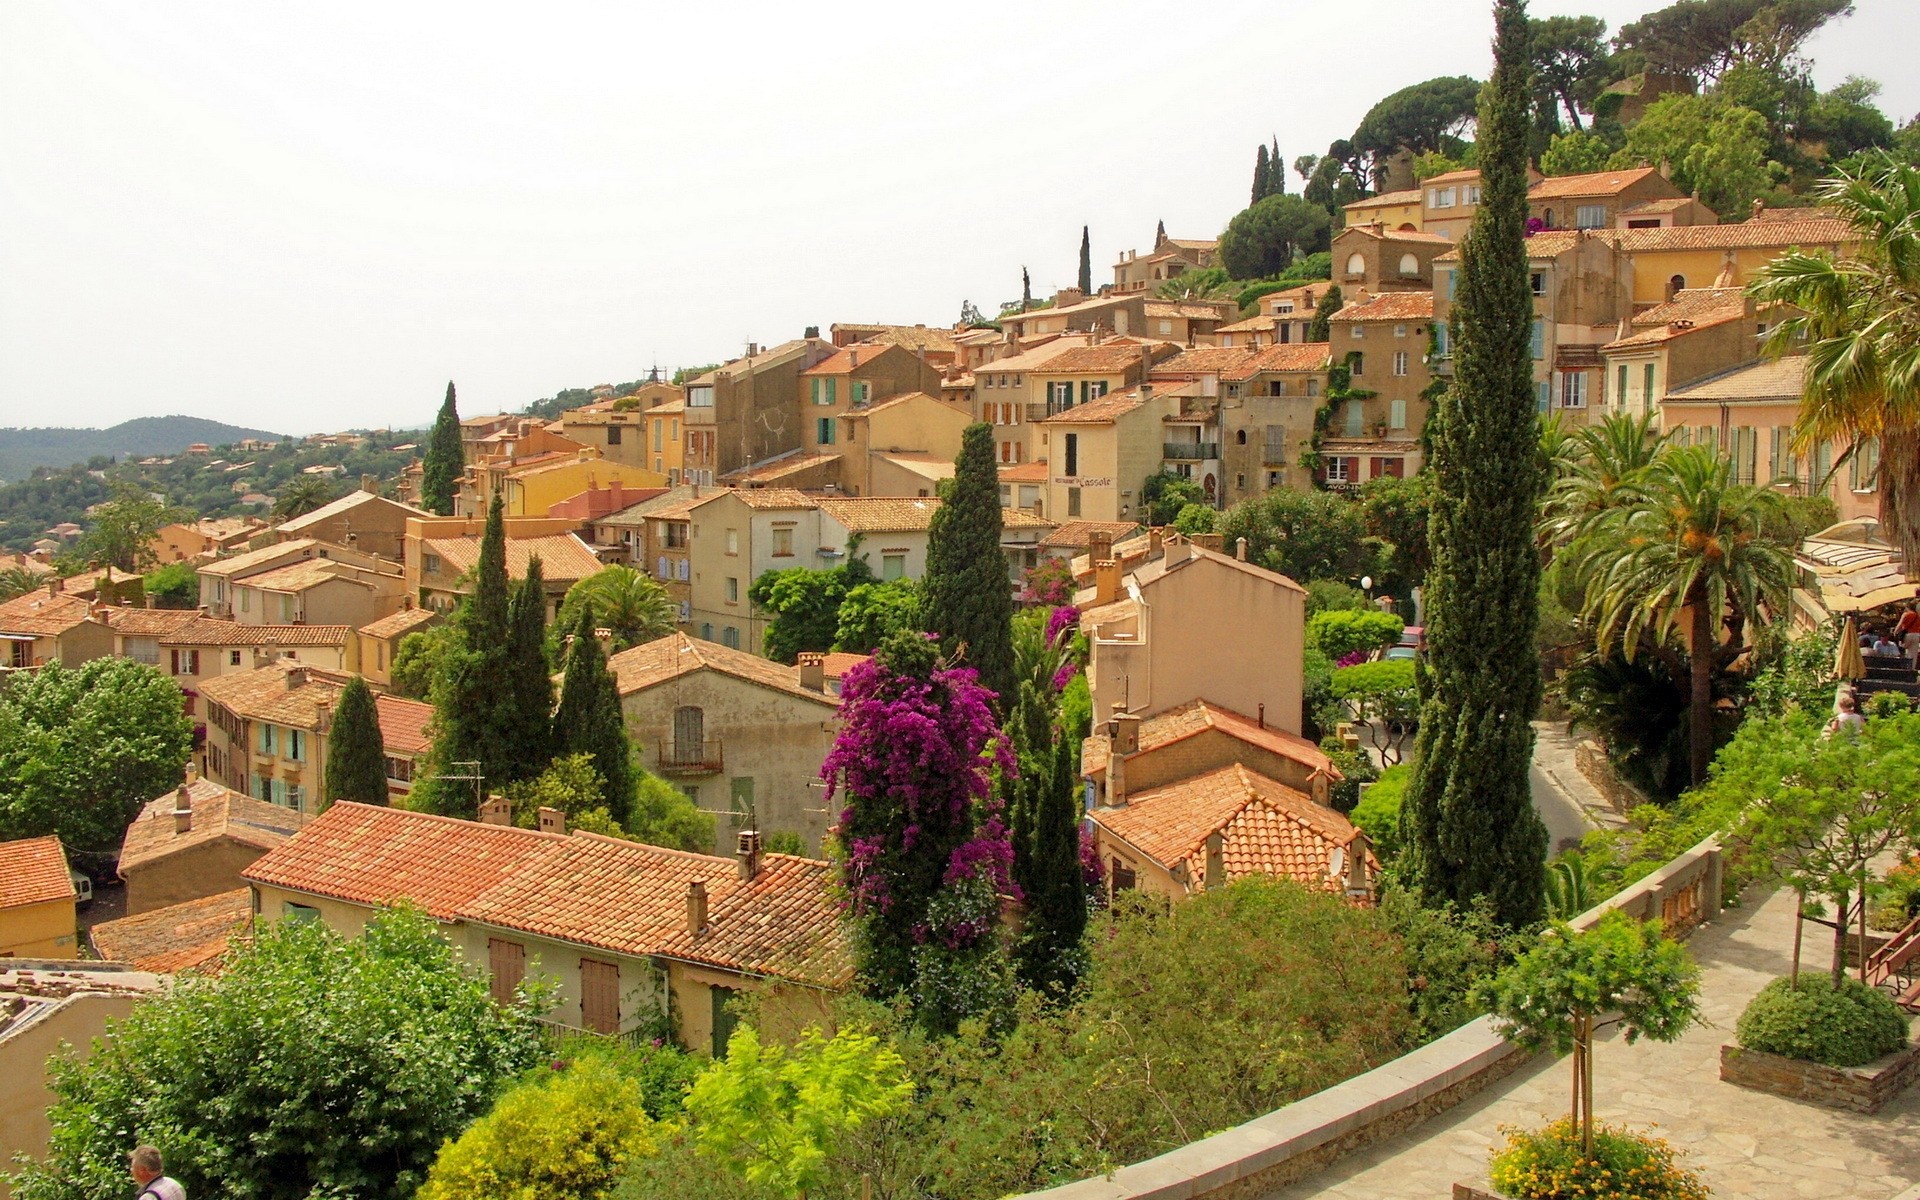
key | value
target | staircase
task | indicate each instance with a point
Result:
(1895, 967)
(1888, 673)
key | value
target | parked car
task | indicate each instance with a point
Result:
(82, 887)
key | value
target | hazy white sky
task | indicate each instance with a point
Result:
(310, 216)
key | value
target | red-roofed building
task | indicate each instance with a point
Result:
(627, 932)
(36, 900)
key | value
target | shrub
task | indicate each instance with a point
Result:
(1547, 1164)
(565, 1131)
(1344, 631)
(1845, 1026)
(1449, 954)
(1900, 902)
(1378, 813)
(1355, 768)
(1325, 595)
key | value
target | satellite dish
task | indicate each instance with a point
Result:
(1337, 862)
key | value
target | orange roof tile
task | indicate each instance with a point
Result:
(181, 937)
(284, 693)
(1203, 360)
(672, 505)
(263, 558)
(211, 631)
(1769, 381)
(1034, 359)
(1694, 304)
(1101, 411)
(1027, 472)
(403, 724)
(1195, 717)
(299, 576)
(1293, 356)
(763, 498)
(1386, 200)
(664, 659)
(219, 814)
(38, 614)
(838, 663)
(34, 871)
(1809, 232)
(1389, 306)
(148, 622)
(849, 359)
(397, 625)
(785, 922)
(1661, 334)
(1078, 535)
(1599, 183)
(1190, 310)
(882, 514)
(790, 463)
(1106, 358)
(563, 556)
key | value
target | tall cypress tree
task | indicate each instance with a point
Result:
(589, 720)
(1469, 822)
(1276, 171)
(471, 722)
(1261, 171)
(969, 602)
(1318, 330)
(1056, 911)
(356, 754)
(526, 697)
(1086, 262)
(1026, 290)
(441, 467)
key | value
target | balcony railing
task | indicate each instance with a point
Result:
(691, 758)
(1190, 451)
(1036, 411)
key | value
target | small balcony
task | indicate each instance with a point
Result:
(691, 757)
(1189, 451)
(1036, 411)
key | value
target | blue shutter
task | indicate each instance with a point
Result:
(1542, 393)
(1538, 346)
(1453, 281)
(1440, 340)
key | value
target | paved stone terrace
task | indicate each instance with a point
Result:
(1745, 1143)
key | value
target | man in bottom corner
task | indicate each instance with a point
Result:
(150, 1172)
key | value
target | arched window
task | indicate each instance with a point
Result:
(1356, 264)
(1409, 267)
(1546, 218)
(689, 733)
(1676, 285)
(1240, 437)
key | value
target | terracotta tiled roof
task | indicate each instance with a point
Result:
(769, 356)
(1020, 518)
(299, 576)
(1105, 358)
(671, 505)
(1552, 243)
(180, 937)
(1266, 827)
(589, 890)
(398, 625)
(1203, 360)
(1385, 234)
(788, 464)
(774, 498)
(269, 693)
(263, 558)
(563, 556)
(1034, 359)
(1186, 310)
(33, 871)
(1198, 716)
(403, 724)
(1027, 472)
(1810, 231)
(219, 814)
(210, 631)
(347, 504)
(882, 514)
(1661, 334)
(1294, 356)
(1304, 297)
(1599, 183)
(913, 337)
(149, 622)
(1385, 200)
(668, 658)
(39, 614)
(837, 664)
(1078, 535)
(666, 408)
(1099, 412)
(1665, 204)
(1775, 380)
(1694, 304)
(849, 359)
(1454, 176)
(1389, 306)
(1262, 323)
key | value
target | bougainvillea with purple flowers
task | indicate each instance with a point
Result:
(914, 762)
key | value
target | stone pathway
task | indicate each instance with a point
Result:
(1745, 1143)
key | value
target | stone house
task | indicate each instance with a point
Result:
(193, 842)
(1006, 395)
(1380, 259)
(1383, 340)
(1170, 258)
(48, 624)
(746, 411)
(377, 643)
(443, 551)
(360, 521)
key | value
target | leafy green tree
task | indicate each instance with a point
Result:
(1846, 122)
(176, 585)
(1396, 511)
(1382, 694)
(570, 784)
(1086, 262)
(356, 753)
(1691, 545)
(312, 1065)
(1469, 822)
(301, 495)
(1821, 807)
(1856, 321)
(1552, 996)
(416, 660)
(1208, 283)
(83, 749)
(1346, 631)
(772, 1115)
(1197, 518)
(625, 602)
(1319, 329)
(1716, 149)
(1425, 116)
(873, 612)
(123, 527)
(663, 815)
(565, 1132)
(968, 598)
(589, 720)
(1702, 39)
(526, 686)
(1575, 152)
(1570, 64)
(1303, 535)
(1164, 493)
(444, 461)
(1265, 239)
(805, 604)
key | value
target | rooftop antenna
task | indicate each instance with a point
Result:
(464, 771)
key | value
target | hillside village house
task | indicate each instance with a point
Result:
(1400, 210)
(37, 898)
(1380, 259)
(642, 435)
(206, 647)
(320, 591)
(1154, 635)
(194, 841)
(628, 933)
(1100, 452)
(443, 551)
(1284, 318)
(1136, 314)
(854, 378)
(49, 624)
(1267, 418)
(739, 734)
(183, 541)
(903, 445)
(267, 733)
(942, 347)
(378, 643)
(1024, 486)
(1600, 200)
(654, 536)
(220, 578)
(745, 410)
(1383, 341)
(361, 520)
(1170, 258)
(1005, 395)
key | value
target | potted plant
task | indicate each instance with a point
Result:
(1555, 996)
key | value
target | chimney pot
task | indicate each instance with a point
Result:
(497, 810)
(696, 908)
(1106, 581)
(813, 672)
(183, 810)
(1240, 549)
(552, 820)
(747, 849)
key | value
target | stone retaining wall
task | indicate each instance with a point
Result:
(1861, 1089)
(1302, 1138)
(1590, 757)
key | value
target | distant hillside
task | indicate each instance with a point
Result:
(21, 450)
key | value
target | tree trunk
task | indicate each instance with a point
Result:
(1799, 928)
(1840, 938)
(1900, 488)
(1700, 693)
(1862, 951)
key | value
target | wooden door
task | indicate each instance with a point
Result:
(599, 996)
(507, 961)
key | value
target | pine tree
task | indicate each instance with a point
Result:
(526, 698)
(968, 600)
(1159, 234)
(1261, 172)
(1318, 330)
(1086, 262)
(1468, 821)
(441, 467)
(356, 755)
(589, 720)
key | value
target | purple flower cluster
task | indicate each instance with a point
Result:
(1351, 658)
(1064, 619)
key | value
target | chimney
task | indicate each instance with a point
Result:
(1240, 549)
(183, 810)
(696, 908)
(1216, 861)
(1155, 546)
(853, 358)
(813, 672)
(1359, 881)
(746, 848)
(1100, 545)
(496, 810)
(55, 586)
(552, 820)
(1176, 549)
(367, 484)
(1216, 542)
(1106, 581)
(296, 678)
(613, 487)
(1146, 391)
(1124, 730)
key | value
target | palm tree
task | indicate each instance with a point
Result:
(302, 495)
(17, 581)
(1598, 467)
(625, 601)
(1859, 322)
(1688, 545)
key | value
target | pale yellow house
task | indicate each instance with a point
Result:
(1394, 210)
(1008, 396)
(1100, 452)
(1667, 261)
(442, 553)
(377, 643)
(625, 932)
(737, 535)
(319, 591)
(361, 520)
(36, 900)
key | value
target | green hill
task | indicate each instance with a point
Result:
(21, 450)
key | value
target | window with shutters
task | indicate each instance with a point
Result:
(663, 571)
(233, 658)
(1646, 385)
(893, 566)
(689, 732)
(860, 392)
(724, 1018)
(730, 636)
(1866, 465)
(1590, 216)
(1356, 418)
(599, 996)
(823, 431)
(1357, 363)
(1573, 389)
(680, 569)
(733, 589)
(507, 963)
(783, 541)
(1073, 501)
(1537, 339)
(1276, 442)
(1072, 458)
(1340, 470)
(1399, 362)
(1397, 414)
(613, 435)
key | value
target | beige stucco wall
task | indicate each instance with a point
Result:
(24, 1050)
(775, 739)
(192, 874)
(39, 930)
(781, 1011)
